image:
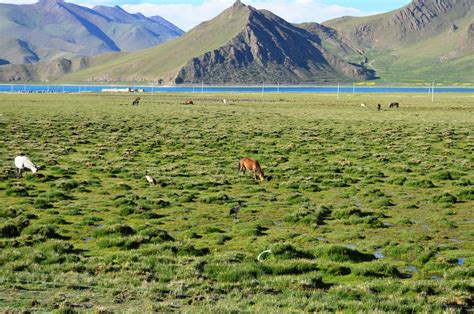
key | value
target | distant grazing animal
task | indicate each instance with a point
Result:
(394, 105)
(235, 210)
(362, 105)
(188, 102)
(224, 101)
(22, 162)
(379, 106)
(252, 165)
(150, 180)
(136, 102)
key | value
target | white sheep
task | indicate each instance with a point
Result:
(22, 162)
(150, 180)
(362, 105)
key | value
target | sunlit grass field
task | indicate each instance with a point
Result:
(361, 210)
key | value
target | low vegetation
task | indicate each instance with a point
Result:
(360, 211)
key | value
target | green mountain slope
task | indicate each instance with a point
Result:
(162, 61)
(241, 45)
(428, 40)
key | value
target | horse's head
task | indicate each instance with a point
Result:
(261, 175)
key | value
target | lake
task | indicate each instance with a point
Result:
(26, 88)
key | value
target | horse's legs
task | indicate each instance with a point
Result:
(18, 173)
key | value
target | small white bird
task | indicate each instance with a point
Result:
(150, 180)
(22, 162)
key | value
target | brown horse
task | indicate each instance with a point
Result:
(252, 165)
(188, 102)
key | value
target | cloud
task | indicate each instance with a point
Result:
(187, 16)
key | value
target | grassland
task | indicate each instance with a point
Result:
(362, 210)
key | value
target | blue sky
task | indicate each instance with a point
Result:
(188, 13)
(364, 5)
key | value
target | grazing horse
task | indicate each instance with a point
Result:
(188, 102)
(136, 102)
(252, 165)
(24, 162)
(379, 106)
(394, 105)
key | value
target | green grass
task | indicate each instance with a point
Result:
(344, 182)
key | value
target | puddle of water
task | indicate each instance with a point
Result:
(455, 240)
(412, 269)
(406, 276)
(436, 277)
(88, 239)
(387, 224)
(379, 255)
(321, 239)
(350, 246)
(278, 222)
(461, 261)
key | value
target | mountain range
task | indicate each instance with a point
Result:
(422, 41)
(51, 29)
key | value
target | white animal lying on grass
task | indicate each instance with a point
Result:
(22, 162)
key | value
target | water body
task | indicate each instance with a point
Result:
(26, 88)
(379, 255)
(412, 269)
(350, 246)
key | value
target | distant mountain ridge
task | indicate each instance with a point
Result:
(52, 29)
(430, 39)
(424, 41)
(240, 45)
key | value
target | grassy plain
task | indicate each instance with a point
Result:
(362, 210)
